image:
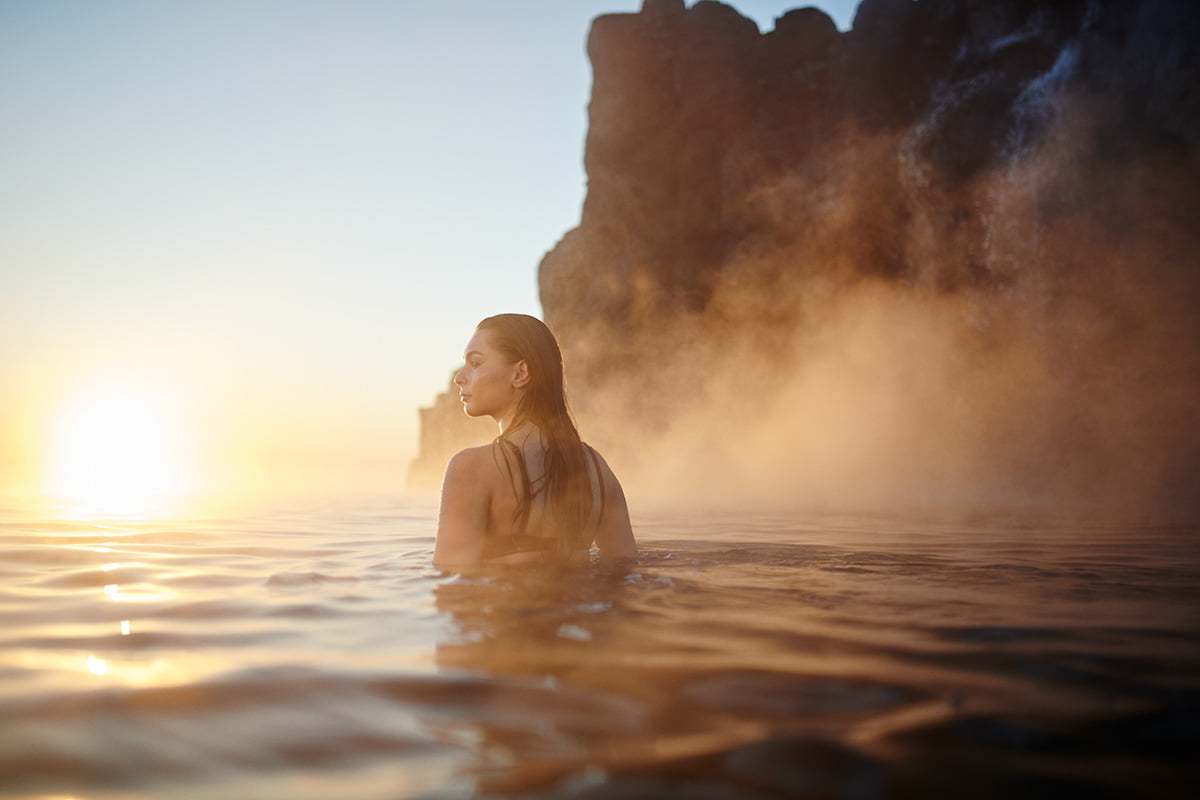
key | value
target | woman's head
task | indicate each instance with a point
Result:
(520, 338)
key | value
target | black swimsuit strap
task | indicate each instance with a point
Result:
(500, 545)
(496, 546)
(514, 453)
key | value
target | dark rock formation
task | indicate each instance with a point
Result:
(1023, 174)
(693, 113)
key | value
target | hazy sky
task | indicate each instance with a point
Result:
(281, 218)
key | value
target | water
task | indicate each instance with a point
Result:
(316, 654)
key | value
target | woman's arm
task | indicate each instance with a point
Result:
(614, 539)
(463, 518)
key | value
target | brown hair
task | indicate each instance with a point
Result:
(520, 337)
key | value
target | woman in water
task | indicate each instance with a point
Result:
(537, 493)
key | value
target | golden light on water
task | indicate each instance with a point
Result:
(115, 448)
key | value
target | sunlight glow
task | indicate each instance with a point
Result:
(114, 450)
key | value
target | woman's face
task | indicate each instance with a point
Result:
(488, 384)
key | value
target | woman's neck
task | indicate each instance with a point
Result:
(506, 423)
(520, 432)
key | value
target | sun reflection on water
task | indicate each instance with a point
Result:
(96, 666)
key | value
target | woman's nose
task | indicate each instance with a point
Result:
(459, 379)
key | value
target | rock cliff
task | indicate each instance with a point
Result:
(946, 255)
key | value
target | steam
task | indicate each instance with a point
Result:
(1038, 352)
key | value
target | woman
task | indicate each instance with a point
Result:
(537, 493)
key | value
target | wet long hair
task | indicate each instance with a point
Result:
(567, 483)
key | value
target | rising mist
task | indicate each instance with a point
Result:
(945, 259)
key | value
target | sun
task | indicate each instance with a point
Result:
(114, 449)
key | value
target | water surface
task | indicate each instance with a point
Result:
(315, 653)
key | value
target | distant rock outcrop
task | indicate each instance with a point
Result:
(444, 430)
(1017, 179)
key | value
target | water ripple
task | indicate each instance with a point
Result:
(744, 657)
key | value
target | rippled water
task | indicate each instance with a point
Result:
(318, 655)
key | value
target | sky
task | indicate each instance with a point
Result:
(253, 237)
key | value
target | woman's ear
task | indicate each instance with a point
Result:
(520, 374)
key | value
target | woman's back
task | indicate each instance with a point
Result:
(522, 521)
(482, 517)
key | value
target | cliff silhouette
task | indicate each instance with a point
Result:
(946, 256)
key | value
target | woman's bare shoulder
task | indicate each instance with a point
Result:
(473, 464)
